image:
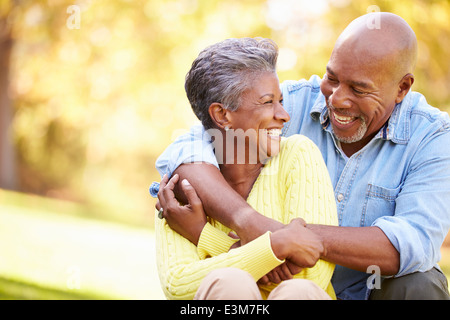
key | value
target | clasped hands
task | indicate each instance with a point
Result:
(295, 243)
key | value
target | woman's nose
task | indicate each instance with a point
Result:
(281, 113)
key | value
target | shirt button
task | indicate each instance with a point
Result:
(154, 188)
(340, 197)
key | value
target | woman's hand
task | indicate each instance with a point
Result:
(188, 220)
(285, 271)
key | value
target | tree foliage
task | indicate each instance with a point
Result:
(94, 104)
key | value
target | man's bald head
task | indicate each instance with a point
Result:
(381, 37)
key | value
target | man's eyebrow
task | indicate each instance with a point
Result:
(330, 71)
(359, 84)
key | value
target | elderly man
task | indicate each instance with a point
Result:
(387, 154)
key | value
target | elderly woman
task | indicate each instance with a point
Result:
(234, 90)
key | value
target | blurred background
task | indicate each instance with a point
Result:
(92, 91)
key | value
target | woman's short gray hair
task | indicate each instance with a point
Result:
(223, 71)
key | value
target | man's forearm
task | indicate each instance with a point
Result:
(358, 247)
(222, 203)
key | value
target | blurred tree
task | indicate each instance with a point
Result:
(93, 107)
(88, 102)
(8, 178)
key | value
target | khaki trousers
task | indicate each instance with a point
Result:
(236, 284)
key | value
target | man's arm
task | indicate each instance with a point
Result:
(422, 218)
(222, 203)
(358, 247)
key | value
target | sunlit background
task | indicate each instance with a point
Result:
(91, 92)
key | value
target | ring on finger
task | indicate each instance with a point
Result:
(160, 213)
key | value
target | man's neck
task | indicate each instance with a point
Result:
(351, 148)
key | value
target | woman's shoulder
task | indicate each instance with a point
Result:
(294, 150)
(296, 142)
(298, 148)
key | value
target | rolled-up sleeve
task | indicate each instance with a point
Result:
(192, 147)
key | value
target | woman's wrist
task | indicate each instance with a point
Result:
(278, 245)
(197, 233)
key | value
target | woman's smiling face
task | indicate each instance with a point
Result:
(260, 117)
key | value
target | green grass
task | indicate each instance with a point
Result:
(445, 261)
(52, 254)
(19, 290)
(50, 250)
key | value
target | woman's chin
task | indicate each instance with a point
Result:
(270, 150)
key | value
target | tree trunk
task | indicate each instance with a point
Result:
(8, 176)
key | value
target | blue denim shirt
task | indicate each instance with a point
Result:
(399, 182)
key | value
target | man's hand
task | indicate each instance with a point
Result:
(188, 220)
(297, 244)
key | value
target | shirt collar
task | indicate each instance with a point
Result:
(400, 120)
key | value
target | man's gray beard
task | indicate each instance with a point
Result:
(357, 136)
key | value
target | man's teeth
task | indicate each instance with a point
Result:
(274, 132)
(344, 119)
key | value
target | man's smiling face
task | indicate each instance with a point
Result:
(359, 99)
(367, 75)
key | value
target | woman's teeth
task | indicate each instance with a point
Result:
(274, 132)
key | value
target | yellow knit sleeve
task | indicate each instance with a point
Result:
(213, 242)
(181, 270)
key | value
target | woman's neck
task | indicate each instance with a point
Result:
(241, 177)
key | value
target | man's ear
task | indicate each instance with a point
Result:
(219, 115)
(403, 87)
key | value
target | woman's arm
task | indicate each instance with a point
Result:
(179, 265)
(189, 220)
(181, 270)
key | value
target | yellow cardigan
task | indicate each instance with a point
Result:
(293, 184)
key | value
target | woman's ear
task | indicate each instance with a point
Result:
(219, 115)
(403, 87)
